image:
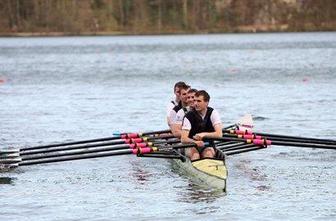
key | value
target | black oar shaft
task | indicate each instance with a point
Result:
(164, 156)
(122, 146)
(238, 147)
(155, 132)
(308, 145)
(60, 148)
(234, 144)
(76, 152)
(300, 140)
(71, 143)
(243, 150)
(296, 137)
(122, 135)
(291, 138)
(80, 157)
(229, 127)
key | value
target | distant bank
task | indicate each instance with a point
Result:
(130, 17)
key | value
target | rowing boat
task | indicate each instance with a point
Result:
(211, 172)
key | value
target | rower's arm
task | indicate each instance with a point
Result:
(186, 127)
(185, 137)
(176, 130)
(171, 118)
(217, 133)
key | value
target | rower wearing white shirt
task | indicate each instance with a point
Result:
(177, 125)
(182, 105)
(175, 102)
(198, 123)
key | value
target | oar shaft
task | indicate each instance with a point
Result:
(61, 148)
(116, 147)
(281, 143)
(287, 137)
(228, 127)
(80, 157)
(71, 143)
(243, 150)
(119, 136)
(300, 140)
(77, 152)
(295, 137)
(307, 145)
(238, 147)
(164, 156)
(230, 145)
(155, 132)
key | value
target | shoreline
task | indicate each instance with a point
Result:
(101, 34)
(239, 30)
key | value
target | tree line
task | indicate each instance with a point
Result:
(77, 17)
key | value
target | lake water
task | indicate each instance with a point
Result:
(73, 88)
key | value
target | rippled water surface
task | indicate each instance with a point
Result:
(72, 88)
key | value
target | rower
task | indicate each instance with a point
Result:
(198, 123)
(182, 105)
(177, 124)
(176, 101)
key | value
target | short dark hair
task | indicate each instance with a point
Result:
(179, 84)
(203, 93)
(192, 90)
(184, 87)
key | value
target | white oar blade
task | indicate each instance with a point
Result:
(245, 123)
(9, 150)
(10, 160)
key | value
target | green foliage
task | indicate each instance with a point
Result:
(164, 16)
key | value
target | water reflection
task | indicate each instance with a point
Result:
(139, 174)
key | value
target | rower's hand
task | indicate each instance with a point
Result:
(199, 136)
(199, 143)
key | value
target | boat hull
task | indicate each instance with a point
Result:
(211, 172)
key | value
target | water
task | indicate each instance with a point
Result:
(72, 88)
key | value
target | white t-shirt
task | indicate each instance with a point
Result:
(179, 116)
(171, 117)
(171, 113)
(214, 117)
(170, 106)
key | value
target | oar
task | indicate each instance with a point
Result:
(244, 150)
(10, 160)
(298, 140)
(116, 137)
(229, 127)
(87, 156)
(279, 137)
(137, 142)
(9, 155)
(118, 143)
(139, 151)
(224, 145)
(33, 156)
(237, 147)
(93, 153)
(161, 154)
(298, 144)
(122, 144)
(269, 142)
(86, 151)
